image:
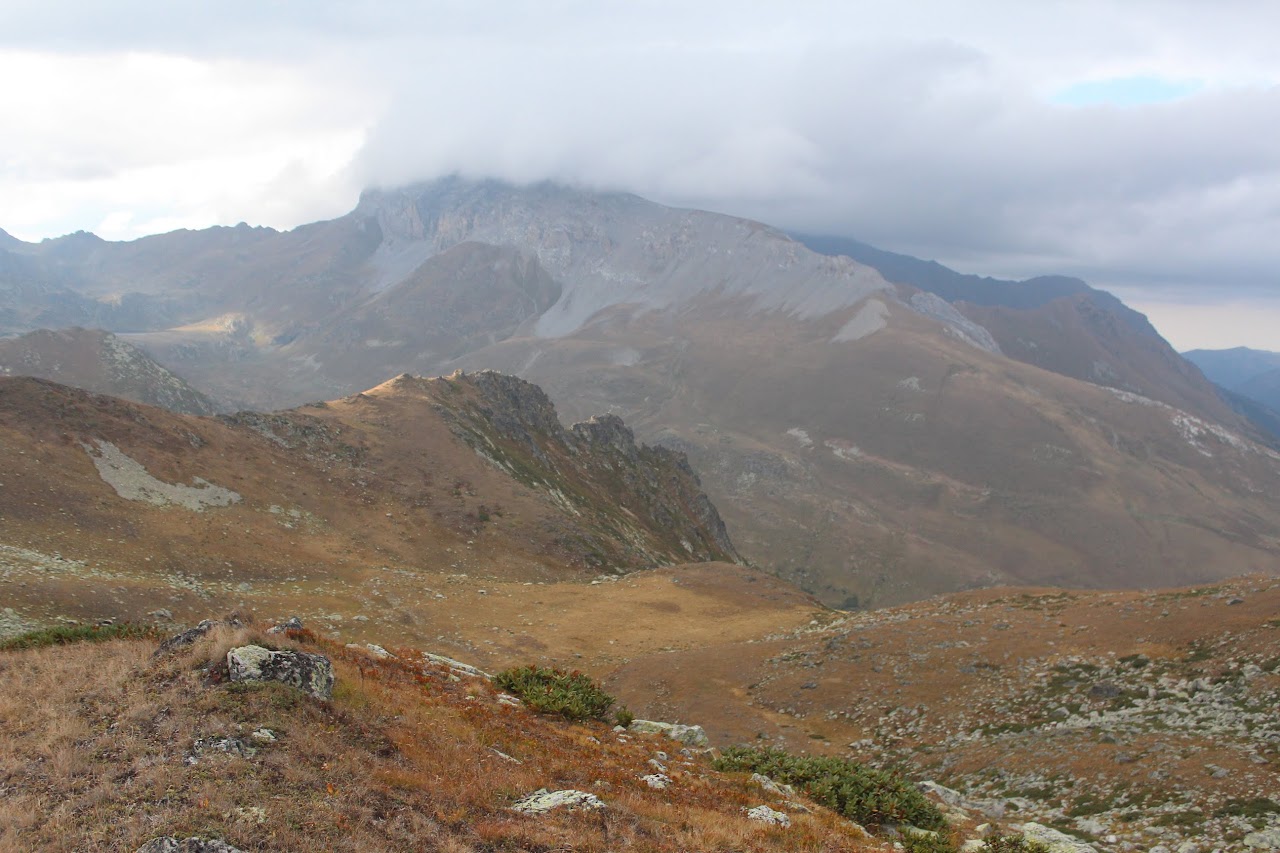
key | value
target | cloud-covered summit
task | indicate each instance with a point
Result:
(937, 130)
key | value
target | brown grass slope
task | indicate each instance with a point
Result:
(1148, 714)
(379, 492)
(98, 739)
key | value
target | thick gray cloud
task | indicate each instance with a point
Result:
(934, 128)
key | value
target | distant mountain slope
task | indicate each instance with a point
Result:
(100, 362)
(1251, 372)
(1055, 322)
(871, 441)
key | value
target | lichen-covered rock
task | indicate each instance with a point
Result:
(313, 674)
(229, 745)
(764, 814)
(1057, 842)
(169, 844)
(543, 801)
(657, 781)
(688, 735)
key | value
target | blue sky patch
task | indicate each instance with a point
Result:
(1125, 92)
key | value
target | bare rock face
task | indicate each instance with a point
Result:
(312, 674)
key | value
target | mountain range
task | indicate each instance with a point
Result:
(872, 427)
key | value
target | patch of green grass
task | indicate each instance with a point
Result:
(1255, 810)
(1182, 819)
(572, 695)
(863, 794)
(62, 635)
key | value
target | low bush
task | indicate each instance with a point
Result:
(572, 695)
(63, 634)
(863, 794)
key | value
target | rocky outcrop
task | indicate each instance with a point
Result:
(310, 673)
(646, 501)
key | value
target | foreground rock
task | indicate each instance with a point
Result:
(169, 844)
(312, 674)
(764, 814)
(688, 735)
(543, 801)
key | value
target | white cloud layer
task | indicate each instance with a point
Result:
(935, 128)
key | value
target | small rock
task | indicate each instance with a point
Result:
(264, 736)
(185, 638)
(293, 623)
(456, 666)
(313, 674)
(229, 745)
(657, 781)
(169, 844)
(542, 801)
(162, 614)
(773, 787)
(766, 815)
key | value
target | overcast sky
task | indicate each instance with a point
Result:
(1132, 143)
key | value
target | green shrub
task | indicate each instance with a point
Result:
(927, 844)
(863, 794)
(61, 635)
(623, 717)
(572, 695)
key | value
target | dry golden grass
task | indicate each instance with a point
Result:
(95, 739)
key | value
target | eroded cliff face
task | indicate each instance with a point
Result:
(645, 499)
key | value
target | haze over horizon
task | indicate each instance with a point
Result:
(1126, 143)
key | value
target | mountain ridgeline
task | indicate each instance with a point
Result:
(872, 427)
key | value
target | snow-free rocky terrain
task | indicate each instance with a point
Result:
(876, 438)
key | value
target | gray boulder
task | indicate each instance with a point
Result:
(293, 623)
(1057, 842)
(185, 638)
(764, 814)
(1268, 839)
(687, 735)
(543, 801)
(169, 844)
(312, 674)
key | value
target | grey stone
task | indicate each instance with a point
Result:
(293, 623)
(542, 801)
(688, 735)
(764, 814)
(456, 666)
(1267, 839)
(169, 844)
(185, 638)
(313, 674)
(1057, 842)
